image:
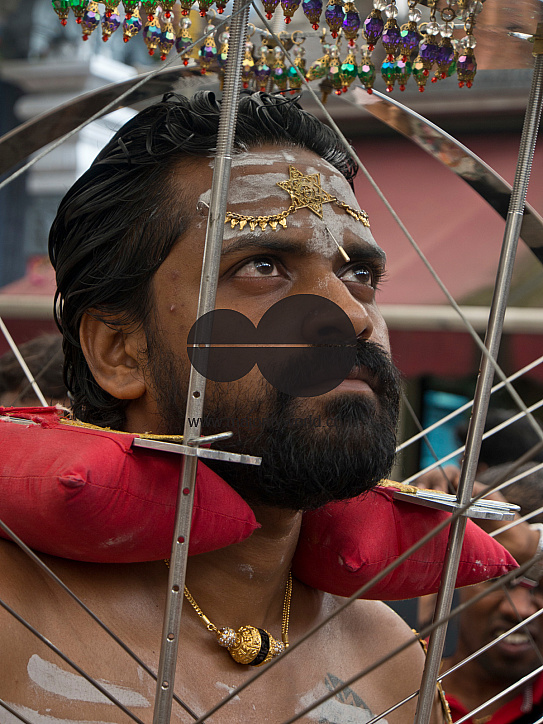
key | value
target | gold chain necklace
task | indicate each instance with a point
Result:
(249, 645)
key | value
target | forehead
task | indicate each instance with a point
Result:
(254, 191)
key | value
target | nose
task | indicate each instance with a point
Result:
(519, 603)
(358, 313)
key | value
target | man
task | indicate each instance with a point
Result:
(518, 654)
(127, 245)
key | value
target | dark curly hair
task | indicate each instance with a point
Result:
(120, 220)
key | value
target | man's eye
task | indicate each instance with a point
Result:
(359, 273)
(261, 267)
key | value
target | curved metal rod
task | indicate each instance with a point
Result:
(37, 132)
(452, 154)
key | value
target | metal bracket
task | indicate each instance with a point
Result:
(198, 452)
(485, 509)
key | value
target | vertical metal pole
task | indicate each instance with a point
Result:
(486, 374)
(197, 383)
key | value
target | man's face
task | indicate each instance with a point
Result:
(333, 445)
(519, 653)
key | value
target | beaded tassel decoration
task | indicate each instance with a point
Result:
(130, 7)
(294, 80)
(208, 51)
(151, 35)
(466, 65)
(79, 8)
(415, 47)
(111, 20)
(248, 65)
(409, 33)
(91, 20)
(62, 9)
(351, 23)
(334, 15)
(279, 73)
(289, 8)
(348, 71)
(262, 69)
(184, 40)
(313, 11)
(131, 25)
(222, 55)
(366, 71)
(167, 36)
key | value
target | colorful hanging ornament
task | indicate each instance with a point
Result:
(313, 11)
(334, 70)
(186, 6)
(62, 9)
(391, 37)
(366, 72)
(248, 65)
(90, 20)
(222, 55)
(204, 6)
(167, 37)
(319, 68)
(269, 7)
(335, 16)
(351, 23)
(466, 65)
(184, 40)
(279, 72)
(409, 33)
(131, 25)
(208, 51)
(151, 35)
(111, 20)
(130, 7)
(262, 70)
(294, 80)
(289, 8)
(373, 25)
(79, 8)
(149, 8)
(419, 74)
(445, 53)
(403, 69)
(348, 71)
(167, 9)
(388, 73)
(220, 6)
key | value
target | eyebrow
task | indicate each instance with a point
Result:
(269, 242)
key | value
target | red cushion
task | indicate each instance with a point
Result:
(88, 495)
(358, 538)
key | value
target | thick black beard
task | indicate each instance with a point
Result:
(307, 460)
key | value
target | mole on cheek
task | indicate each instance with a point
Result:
(172, 308)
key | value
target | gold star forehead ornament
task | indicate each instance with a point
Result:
(305, 191)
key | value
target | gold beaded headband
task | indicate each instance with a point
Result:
(304, 191)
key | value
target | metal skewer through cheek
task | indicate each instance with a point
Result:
(197, 382)
(484, 382)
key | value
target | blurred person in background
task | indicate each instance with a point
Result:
(516, 656)
(45, 359)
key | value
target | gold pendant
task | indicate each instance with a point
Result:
(249, 645)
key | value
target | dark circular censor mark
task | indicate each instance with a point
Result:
(304, 345)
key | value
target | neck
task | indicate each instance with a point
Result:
(472, 685)
(245, 583)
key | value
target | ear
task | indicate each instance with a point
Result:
(114, 357)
